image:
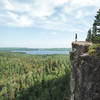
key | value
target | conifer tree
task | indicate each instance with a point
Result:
(89, 36)
(96, 24)
(94, 35)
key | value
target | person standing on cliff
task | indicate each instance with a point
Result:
(75, 37)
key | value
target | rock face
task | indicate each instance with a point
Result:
(85, 73)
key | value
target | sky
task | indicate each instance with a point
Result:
(45, 23)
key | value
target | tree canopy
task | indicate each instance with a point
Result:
(94, 32)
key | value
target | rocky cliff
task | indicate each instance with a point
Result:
(85, 73)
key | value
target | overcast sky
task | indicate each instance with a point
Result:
(45, 23)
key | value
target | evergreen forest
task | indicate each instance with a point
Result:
(34, 77)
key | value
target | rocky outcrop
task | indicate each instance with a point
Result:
(85, 73)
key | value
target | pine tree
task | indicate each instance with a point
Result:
(94, 29)
(94, 35)
(96, 24)
(89, 36)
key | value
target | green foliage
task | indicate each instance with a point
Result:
(93, 50)
(96, 39)
(34, 77)
(96, 23)
(89, 36)
(94, 35)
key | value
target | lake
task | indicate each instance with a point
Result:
(41, 52)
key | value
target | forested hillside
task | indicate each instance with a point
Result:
(34, 77)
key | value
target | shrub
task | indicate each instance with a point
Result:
(93, 50)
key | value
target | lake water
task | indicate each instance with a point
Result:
(45, 52)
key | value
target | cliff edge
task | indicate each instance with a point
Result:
(85, 73)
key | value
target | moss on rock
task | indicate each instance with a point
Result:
(94, 50)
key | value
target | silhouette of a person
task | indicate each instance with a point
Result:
(75, 37)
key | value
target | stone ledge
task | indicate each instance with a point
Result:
(80, 47)
(82, 43)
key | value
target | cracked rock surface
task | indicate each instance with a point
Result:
(85, 73)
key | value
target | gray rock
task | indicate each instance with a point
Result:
(85, 73)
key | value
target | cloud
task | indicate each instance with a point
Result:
(20, 21)
(86, 3)
(13, 19)
(6, 5)
(12, 15)
(23, 14)
(62, 15)
(79, 14)
(59, 2)
(54, 33)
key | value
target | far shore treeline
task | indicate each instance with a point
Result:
(35, 49)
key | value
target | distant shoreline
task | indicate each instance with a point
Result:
(36, 49)
(50, 51)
